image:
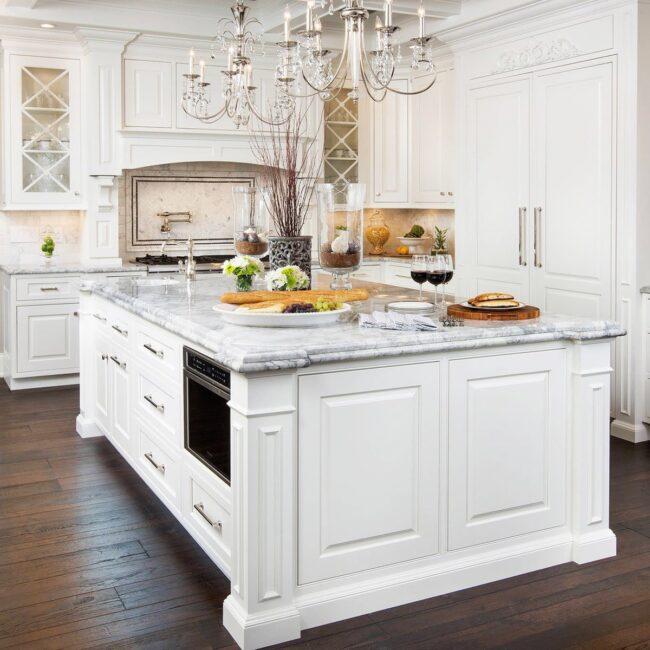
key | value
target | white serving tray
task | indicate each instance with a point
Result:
(254, 318)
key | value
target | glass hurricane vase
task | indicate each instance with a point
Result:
(340, 230)
(251, 220)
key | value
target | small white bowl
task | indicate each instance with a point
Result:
(417, 245)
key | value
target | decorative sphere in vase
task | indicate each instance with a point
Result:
(251, 220)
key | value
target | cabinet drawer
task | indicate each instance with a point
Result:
(160, 406)
(118, 326)
(40, 288)
(161, 469)
(47, 340)
(156, 349)
(210, 516)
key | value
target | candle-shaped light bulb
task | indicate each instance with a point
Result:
(318, 26)
(191, 61)
(249, 75)
(421, 17)
(378, 27)
(309, 20)
(202, 71)
(388, 13)
(287, 24)
(231, 52)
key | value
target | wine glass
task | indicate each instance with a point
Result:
(436, 272)
(449, 274)
(419, 271)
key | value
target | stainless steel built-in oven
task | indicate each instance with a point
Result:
(207, 414)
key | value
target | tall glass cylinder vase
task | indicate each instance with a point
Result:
(340, 230)
(251, 220)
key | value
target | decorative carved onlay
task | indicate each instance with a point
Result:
(537, 54)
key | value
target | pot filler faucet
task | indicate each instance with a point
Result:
(181, 217)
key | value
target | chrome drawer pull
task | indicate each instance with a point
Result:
(160, 407)
(119, 330)
(100, 317)
(538, 238)
(49, 288)
(159, 466)
(215, 524)
(158, 353)
(121, 364)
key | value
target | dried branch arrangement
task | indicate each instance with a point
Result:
(291, 166)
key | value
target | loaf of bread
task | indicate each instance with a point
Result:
(482, 298)
(496, 303)
(247, 297)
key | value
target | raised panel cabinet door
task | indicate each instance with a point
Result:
(47, 339)
(498, 152)
(120, 399)
(101, 383)
(507, 446)
(368, 469)
(430, 155)
(390, 150)
(573, 196)
(148, 92)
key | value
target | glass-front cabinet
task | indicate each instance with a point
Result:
(43, 134)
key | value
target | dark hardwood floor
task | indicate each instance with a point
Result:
(90, 558)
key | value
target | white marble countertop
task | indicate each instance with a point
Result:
(186, 310)
(67, 267)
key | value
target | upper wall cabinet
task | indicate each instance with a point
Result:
(148, 87)
(407, 145)
(42, 133)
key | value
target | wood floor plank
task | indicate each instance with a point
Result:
(89, 557)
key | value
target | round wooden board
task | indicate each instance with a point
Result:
(522, 313)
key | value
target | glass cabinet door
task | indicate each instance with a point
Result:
(45, 119)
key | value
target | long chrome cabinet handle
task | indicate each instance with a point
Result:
(49, 288)
(159, 466)
(201, 510)
(538, 237)
(160, 407)
(158, 353)
(119, 330)
(100, 317)
(121, 364)
(522, 237)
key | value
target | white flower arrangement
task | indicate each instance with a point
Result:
(244, 268)
(287, 278)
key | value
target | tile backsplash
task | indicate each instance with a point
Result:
(400, 222)
(21, 234)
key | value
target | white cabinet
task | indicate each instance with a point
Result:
(390, 147)
(540, 214)
(507, 446)
(367, 492)
(42, 128)
(432, 140)
(407, 144)
(148, 94)
(101, 383)
(49, 338)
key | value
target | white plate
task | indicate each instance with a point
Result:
(253, 318)
(467, 304)
(410, 305)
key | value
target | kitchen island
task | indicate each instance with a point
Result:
(366, 468)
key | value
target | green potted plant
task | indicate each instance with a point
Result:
(47, 247)
(439, 241)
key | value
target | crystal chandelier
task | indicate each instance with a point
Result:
(305, 69)
(304, 58)
(241, 38)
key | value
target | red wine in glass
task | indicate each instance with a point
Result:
(419, 276)
(448, 276)
(436, 277)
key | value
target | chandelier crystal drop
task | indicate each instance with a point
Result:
(305, 68)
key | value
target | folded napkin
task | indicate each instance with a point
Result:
(396, 321)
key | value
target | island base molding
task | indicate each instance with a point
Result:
(630, 432)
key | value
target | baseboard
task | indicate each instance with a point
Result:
(630, 432)
(55, 381)
(594, 546)
(409, 586)
(87, 428)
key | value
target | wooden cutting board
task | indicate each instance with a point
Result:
(523, 313)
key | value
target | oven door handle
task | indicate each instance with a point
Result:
(213, 387)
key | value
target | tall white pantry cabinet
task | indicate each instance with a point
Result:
(551, 102)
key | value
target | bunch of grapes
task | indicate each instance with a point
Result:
(299, 308)
(325, 304)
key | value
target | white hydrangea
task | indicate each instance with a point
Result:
(287, 278)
